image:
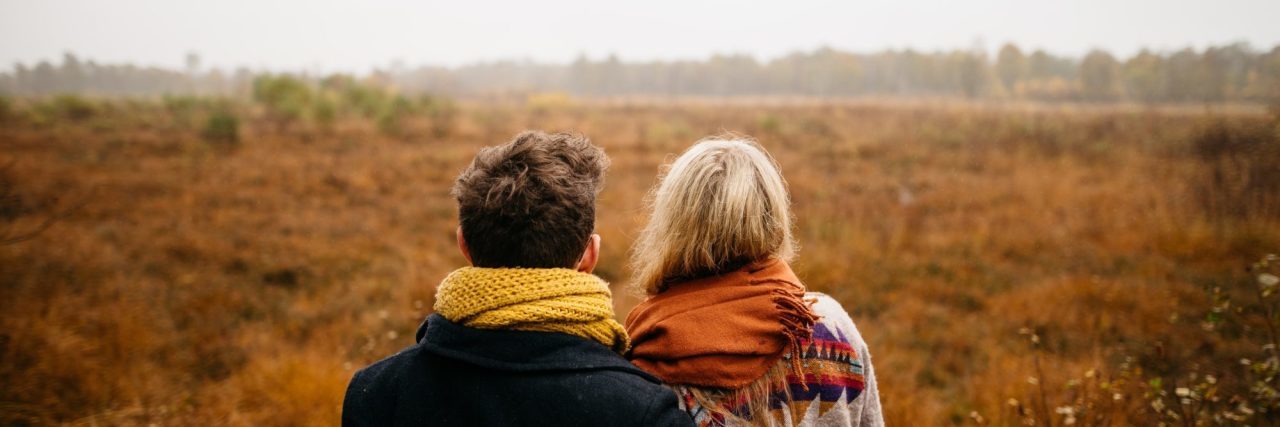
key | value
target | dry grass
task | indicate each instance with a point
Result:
(185, 283)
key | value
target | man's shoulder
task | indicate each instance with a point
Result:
(628, 398)
(624, 381)
(608, 377)
(402, 359)
(371, 395)
(600, 392)
(378, 380)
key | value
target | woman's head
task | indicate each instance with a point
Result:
(720, 205)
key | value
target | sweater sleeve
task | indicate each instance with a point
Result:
(869, 413)
(865, 410)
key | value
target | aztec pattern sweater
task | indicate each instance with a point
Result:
(838, 388)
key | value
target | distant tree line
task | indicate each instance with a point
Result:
(1230, 73)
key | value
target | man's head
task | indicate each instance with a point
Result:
(532, 203)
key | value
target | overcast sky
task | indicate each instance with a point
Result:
(327, 35)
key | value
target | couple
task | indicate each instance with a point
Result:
(526, 335)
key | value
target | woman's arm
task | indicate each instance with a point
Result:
(865, 410)
(869, 413)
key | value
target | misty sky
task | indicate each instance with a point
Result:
(325, 35)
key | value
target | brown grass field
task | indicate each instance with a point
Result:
(1052, 265)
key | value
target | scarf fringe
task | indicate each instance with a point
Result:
(748, 405)
(762, 303)
(797, 321)
(755, 401)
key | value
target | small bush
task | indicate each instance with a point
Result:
(441, 111)
(182, 109)
(222, 128)
(769, 123)
(1249, 393)
(287, 98)
(6, 108)
(1240, 175)
(366, 100)
(181, 104)
(72, 107)
(325, 112)
(390, 120)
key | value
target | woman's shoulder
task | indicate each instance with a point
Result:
(834, 322)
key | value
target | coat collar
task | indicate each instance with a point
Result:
(519, 351)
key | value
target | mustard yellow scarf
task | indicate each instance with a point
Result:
(532, 299)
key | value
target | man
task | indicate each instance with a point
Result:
(526, 335)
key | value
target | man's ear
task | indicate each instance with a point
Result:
(590, 256)
(462, 246)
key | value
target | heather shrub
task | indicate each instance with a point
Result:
(1240, 169)
(287, 99)
(71, 107)
(222, 128)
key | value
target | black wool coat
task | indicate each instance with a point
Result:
(460, 376)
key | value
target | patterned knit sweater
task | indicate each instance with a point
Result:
(838, 388)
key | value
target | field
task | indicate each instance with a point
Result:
(207, 262)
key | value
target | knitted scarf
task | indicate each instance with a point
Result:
(724, 331)
(532, 299)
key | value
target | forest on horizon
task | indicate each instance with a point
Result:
(1233, 73)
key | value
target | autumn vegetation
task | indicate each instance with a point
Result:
(1235, 73)
(209, 260)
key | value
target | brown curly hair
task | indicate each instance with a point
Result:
(532, 202)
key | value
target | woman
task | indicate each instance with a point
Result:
(728, 326)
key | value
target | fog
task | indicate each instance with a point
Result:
(327, 36)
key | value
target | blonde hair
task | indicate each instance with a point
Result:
(720, 205)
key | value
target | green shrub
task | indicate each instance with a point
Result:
(72, 107)
(769, 123)
(325, 112)
(182, 108)
(181, 104)
(222, 128)
(441, 111)
(392, 115)
(6, 108)
(366, 100)
(287, 99)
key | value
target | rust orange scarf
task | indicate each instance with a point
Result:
(722, 331)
